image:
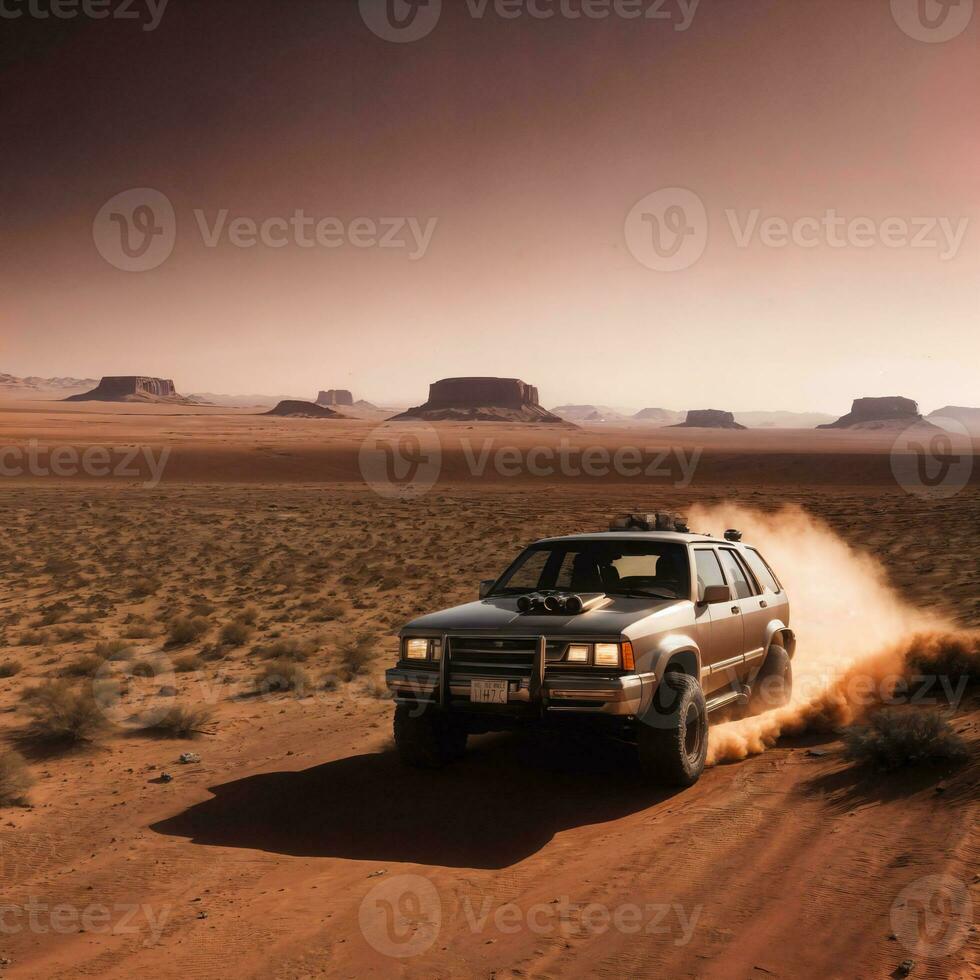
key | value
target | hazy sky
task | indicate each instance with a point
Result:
(528, 141)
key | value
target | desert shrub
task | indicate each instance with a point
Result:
(113, 649)
(182, 721)
(235, 634)
(355, 655)
(139, 629)
(85, 666)
(202, 608)
(72, 634)
(298, 650)
(187, 663)
(955, 657)
(375, 687)
(186, 629)
(31, 638)
(15, 778)
(280, 676)
(249, 615)
(893, 739)
(10, 667)
(143, 586)
(58, 713)
(329, 682)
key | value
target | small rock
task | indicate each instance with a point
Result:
(167, 691)
(202, 914)
(186, 758)
(818, 753)
(905, 968)
(378, 874)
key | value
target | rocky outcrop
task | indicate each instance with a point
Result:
(134, 388)
(588, 413)
(709, 418)
(336, 396)
(480, 400)
(303, 410)
(878, 413)
(659, 416)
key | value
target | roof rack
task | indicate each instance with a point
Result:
(732, 535)
(660, 521)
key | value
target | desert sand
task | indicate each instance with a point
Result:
(259, 859)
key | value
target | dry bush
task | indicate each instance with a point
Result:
(954, 656)
(72, 634)
(235, 634)
(15, 779)
(113, 649)
(893, 739)
(375, 687)
(186, 629)
(143, 586)
(85, 666)
(31, 638)
(355, 655)
(298, 650)
(58, 713)
(187, 663)
(249, 615)
(280, 676)
(182, 721)
(138, 629)
(10, 667)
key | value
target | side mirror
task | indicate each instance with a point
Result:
(485, 586)
(716, 593)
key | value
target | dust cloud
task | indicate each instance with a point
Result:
(857, 638)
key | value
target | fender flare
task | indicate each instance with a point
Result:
(779, 633)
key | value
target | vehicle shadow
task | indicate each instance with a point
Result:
(503, 803)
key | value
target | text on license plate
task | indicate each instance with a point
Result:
(488, 692)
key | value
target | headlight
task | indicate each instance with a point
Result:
(578, 653)
(416, 649)
(607, 654)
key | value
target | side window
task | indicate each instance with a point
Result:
(709, 571)
(738, 578)
(762, 571)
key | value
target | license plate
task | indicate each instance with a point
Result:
(488, 692)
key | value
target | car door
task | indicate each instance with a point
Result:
(720, 630)
(769, 603)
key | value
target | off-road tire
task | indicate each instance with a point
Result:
(773, 685)
(427, 738)
(672, 740)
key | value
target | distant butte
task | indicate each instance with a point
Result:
(889, 412)
(338, 396)
(303, 410)
(134, 388)
(481, 400)
(709, 418)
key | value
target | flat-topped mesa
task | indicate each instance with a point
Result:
(708, 418)
(878, 413)
(132, 388)
(481, 400)
(291, 409)
(335, 396)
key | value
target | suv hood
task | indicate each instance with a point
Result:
(501, 615)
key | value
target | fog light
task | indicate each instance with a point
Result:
(578, 653)
(607, 654)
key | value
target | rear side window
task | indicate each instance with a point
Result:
(709, 571)
(743, 588)
(761, 570)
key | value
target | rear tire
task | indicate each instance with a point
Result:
(773, 685)
(673, 736)
(427, 738)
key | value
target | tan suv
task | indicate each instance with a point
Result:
(641, 632)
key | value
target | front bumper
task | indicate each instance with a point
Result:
(620, 695)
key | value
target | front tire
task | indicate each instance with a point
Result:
(673, 737)
(427, 738)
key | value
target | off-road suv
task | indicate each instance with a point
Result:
(642, 632)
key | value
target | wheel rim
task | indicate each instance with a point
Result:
(692, 732)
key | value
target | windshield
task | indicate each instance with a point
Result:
(658, 569)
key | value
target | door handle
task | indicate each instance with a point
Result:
(736, 610)
(763, 604)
